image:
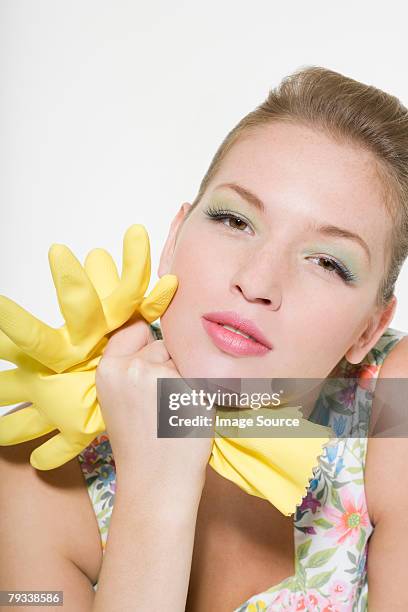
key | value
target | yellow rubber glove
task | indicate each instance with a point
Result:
(277, 469)
(65, 401)
(93, 300)
(56, 367)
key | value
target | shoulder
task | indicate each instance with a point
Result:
(388, 505)
(386, 476)
(395, 364)
(50, 509)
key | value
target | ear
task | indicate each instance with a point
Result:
(375, 328)
(170, 244)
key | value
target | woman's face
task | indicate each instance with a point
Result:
(272, 264)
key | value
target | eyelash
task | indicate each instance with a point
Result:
(219, 214)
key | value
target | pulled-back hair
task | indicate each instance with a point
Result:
(352, 113)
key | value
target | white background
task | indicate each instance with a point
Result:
(112, 110)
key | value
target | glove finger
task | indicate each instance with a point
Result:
(8, 350)
(102, 272)
(12, 389)
(127, 296)
(155, 304)
(78, 300)
(56, 451)
(23, 425)
(136, 258)
(31, 335)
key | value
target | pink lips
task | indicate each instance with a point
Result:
(231, 342)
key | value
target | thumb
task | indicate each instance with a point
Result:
(157, 353)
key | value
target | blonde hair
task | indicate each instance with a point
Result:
(350, 112)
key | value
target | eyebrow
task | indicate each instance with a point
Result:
(327, 230)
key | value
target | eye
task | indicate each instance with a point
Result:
(219, 214)
(332, 266)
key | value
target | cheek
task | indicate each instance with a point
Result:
(196, 264)
(194, 267)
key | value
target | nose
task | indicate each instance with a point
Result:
(258, 279)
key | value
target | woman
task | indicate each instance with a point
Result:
(262, 239)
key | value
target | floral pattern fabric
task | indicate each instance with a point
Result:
(331, 525)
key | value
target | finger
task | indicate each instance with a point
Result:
(23, 425)
(40, 341)
(102, 272)
(135, 277)
(78, 300)
(12, 388)
(156, 352)
(129, 339)
(158, 300)
(56, 451)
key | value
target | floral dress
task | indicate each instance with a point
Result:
(331, 525)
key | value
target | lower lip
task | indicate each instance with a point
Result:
(232, 343)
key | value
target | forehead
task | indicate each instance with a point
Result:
(300, 171)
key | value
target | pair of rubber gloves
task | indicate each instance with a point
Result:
(56, 373)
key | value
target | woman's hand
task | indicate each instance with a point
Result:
(126, 382)
(159, 480)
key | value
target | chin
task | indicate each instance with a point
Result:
(204, 369)
(192, 362)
